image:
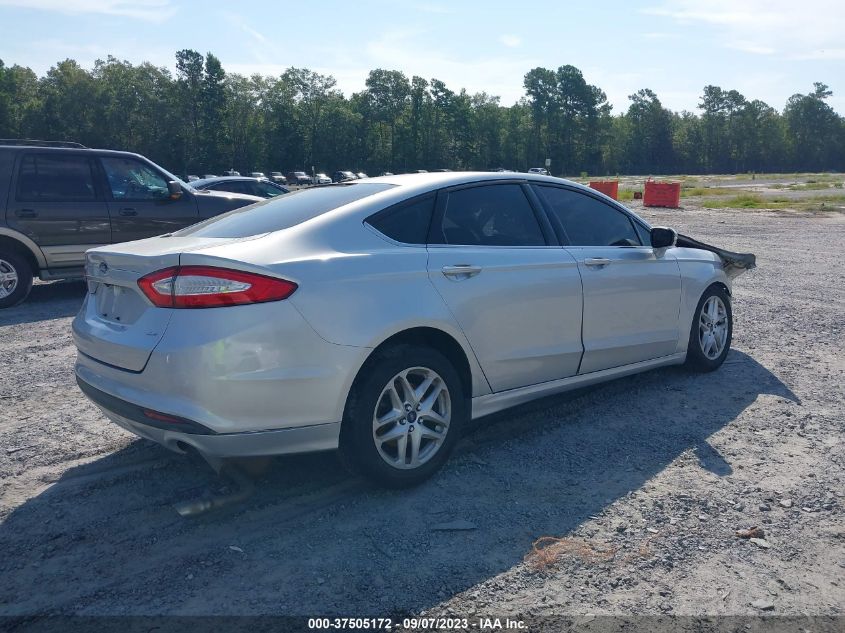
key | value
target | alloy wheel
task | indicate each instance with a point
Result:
(411, 418)
(713, 327)
(8, 279)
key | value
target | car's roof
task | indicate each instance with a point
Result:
(209, 181)
(70, 150)
(450, 178)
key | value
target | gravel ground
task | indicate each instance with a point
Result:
(642, 482)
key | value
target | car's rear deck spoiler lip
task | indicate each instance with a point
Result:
(735, 263)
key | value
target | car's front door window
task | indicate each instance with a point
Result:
(587, 221)
(266, 190)
(235, 186)
(130, 179)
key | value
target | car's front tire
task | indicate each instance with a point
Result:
(403, 417)
(711, 331)
(15, 279)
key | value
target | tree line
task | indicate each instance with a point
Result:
(202, 119)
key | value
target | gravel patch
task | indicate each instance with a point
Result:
(640, 484)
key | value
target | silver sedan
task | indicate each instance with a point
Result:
(379, 316)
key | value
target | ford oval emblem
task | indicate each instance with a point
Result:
(104, 268)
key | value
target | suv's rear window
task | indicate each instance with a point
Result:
(283, 212)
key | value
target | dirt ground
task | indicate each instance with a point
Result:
(644, 480)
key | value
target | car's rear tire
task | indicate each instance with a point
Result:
(711, 330)
(15, 278)
(403, 417)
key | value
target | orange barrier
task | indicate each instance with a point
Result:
(662, 194)
(607, 187)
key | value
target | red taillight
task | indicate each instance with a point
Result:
(154, 286)
(211, 287)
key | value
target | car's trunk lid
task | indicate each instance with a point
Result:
(117, 324)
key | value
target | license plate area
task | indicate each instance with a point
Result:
(118, 304)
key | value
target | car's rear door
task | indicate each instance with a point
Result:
(515, 294)
(632, 293)
(58, 203)
(139, 202)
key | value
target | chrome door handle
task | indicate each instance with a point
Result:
(26, 213)
(128, 211)
(597, 261)
(461, 271)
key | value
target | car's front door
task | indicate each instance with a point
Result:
(516, 297)
(140, 205)
(632, 293)
(58, 204)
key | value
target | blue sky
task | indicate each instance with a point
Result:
(766, 49)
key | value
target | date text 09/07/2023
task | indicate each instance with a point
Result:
(416, 624)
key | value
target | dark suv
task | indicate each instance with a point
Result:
(57, 200)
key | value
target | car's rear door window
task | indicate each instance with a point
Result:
(587, 221)
(55, 177)
(285, 211)
(490, 215)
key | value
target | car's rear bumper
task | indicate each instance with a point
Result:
(234, 370)
(181, 434)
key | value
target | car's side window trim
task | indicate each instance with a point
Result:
(558, 226)
(399, 206)
(435, 237)
(552, 238)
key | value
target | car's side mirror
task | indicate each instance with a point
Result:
(174, 189)
(663, 237)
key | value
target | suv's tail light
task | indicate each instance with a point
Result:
(211, 287)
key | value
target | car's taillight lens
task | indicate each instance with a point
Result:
(211, 287)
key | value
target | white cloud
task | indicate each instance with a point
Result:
(149, 10)
(752, 48)
(256, 35)
(795, 30)
(511, 41)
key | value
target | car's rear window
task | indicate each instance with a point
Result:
(283, 212)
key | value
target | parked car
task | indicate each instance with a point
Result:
(57, 200)
(192, 178)
(257, 174)
(321, 179)
(361, 174)
(386, 173)
(227, 338)
(278, 177)
(210, 176)
(343, 176)
(539, 170)
(298, 178)
(442, 171)
(231, 172)
(260, 187)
